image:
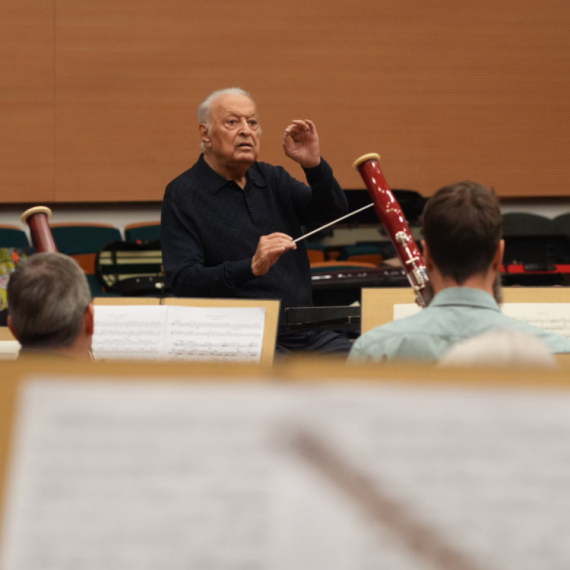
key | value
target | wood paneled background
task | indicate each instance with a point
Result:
(98, 97)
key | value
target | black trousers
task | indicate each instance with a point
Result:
(321, 342)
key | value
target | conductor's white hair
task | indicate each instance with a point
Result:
(205, 107)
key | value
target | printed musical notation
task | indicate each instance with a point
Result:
(128, 332)
(552, 317)
(179, 333)
(214, 333)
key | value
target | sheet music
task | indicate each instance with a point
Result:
(405, 310)
(553, 317)
(214, 333)
(128, 332)
(178, 333)
(9, 349)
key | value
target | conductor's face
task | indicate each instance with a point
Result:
(232, 136)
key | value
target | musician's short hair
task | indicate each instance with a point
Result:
(206, 106)
(48, 295)
(462, 226)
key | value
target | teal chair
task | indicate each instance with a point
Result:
(316, 251)
(143, 231)
(13, 236)
(96, 288)
(368, 253)
(83, 242)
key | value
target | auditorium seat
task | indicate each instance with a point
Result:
(132, 268)
(385, 247)
(363, 252)
(523, 223)
(316, 252)
(562, 224)
(13, 236)
(96, 288)
(143, 231)
(333, 265)
(534, 241)
(83, 241)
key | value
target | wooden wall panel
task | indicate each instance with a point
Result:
(443, 90)
(26, 100)
(123, 112)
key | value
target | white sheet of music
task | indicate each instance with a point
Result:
(178, 333)
(553, 317)
(128, 332)
(214, 333)
(405, 310)
(178, 475)
(9, 349)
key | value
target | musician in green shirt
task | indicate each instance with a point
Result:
(463, 251)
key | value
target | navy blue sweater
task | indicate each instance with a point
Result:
(211, 228)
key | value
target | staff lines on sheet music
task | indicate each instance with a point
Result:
(209, 344)
(110, 328)
(211, 348)
(561, 326)
(125, 323)
(217, 334)
(213, 355)
(209, 325)
(187, 330)
(125, 334)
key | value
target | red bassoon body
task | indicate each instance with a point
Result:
(38, 220)
(393, 219)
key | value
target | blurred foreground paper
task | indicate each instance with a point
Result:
(140, 475)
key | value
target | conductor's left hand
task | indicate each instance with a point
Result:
(301, 143)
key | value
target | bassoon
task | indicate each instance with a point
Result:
(38, 220)
(393, 219)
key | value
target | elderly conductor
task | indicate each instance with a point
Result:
(228, 223)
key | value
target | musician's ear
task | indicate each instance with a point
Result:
(498, 258)
(11, 327)
(89, 320)
(427, 256)
(203, 129)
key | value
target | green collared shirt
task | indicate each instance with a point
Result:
(454, 314)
